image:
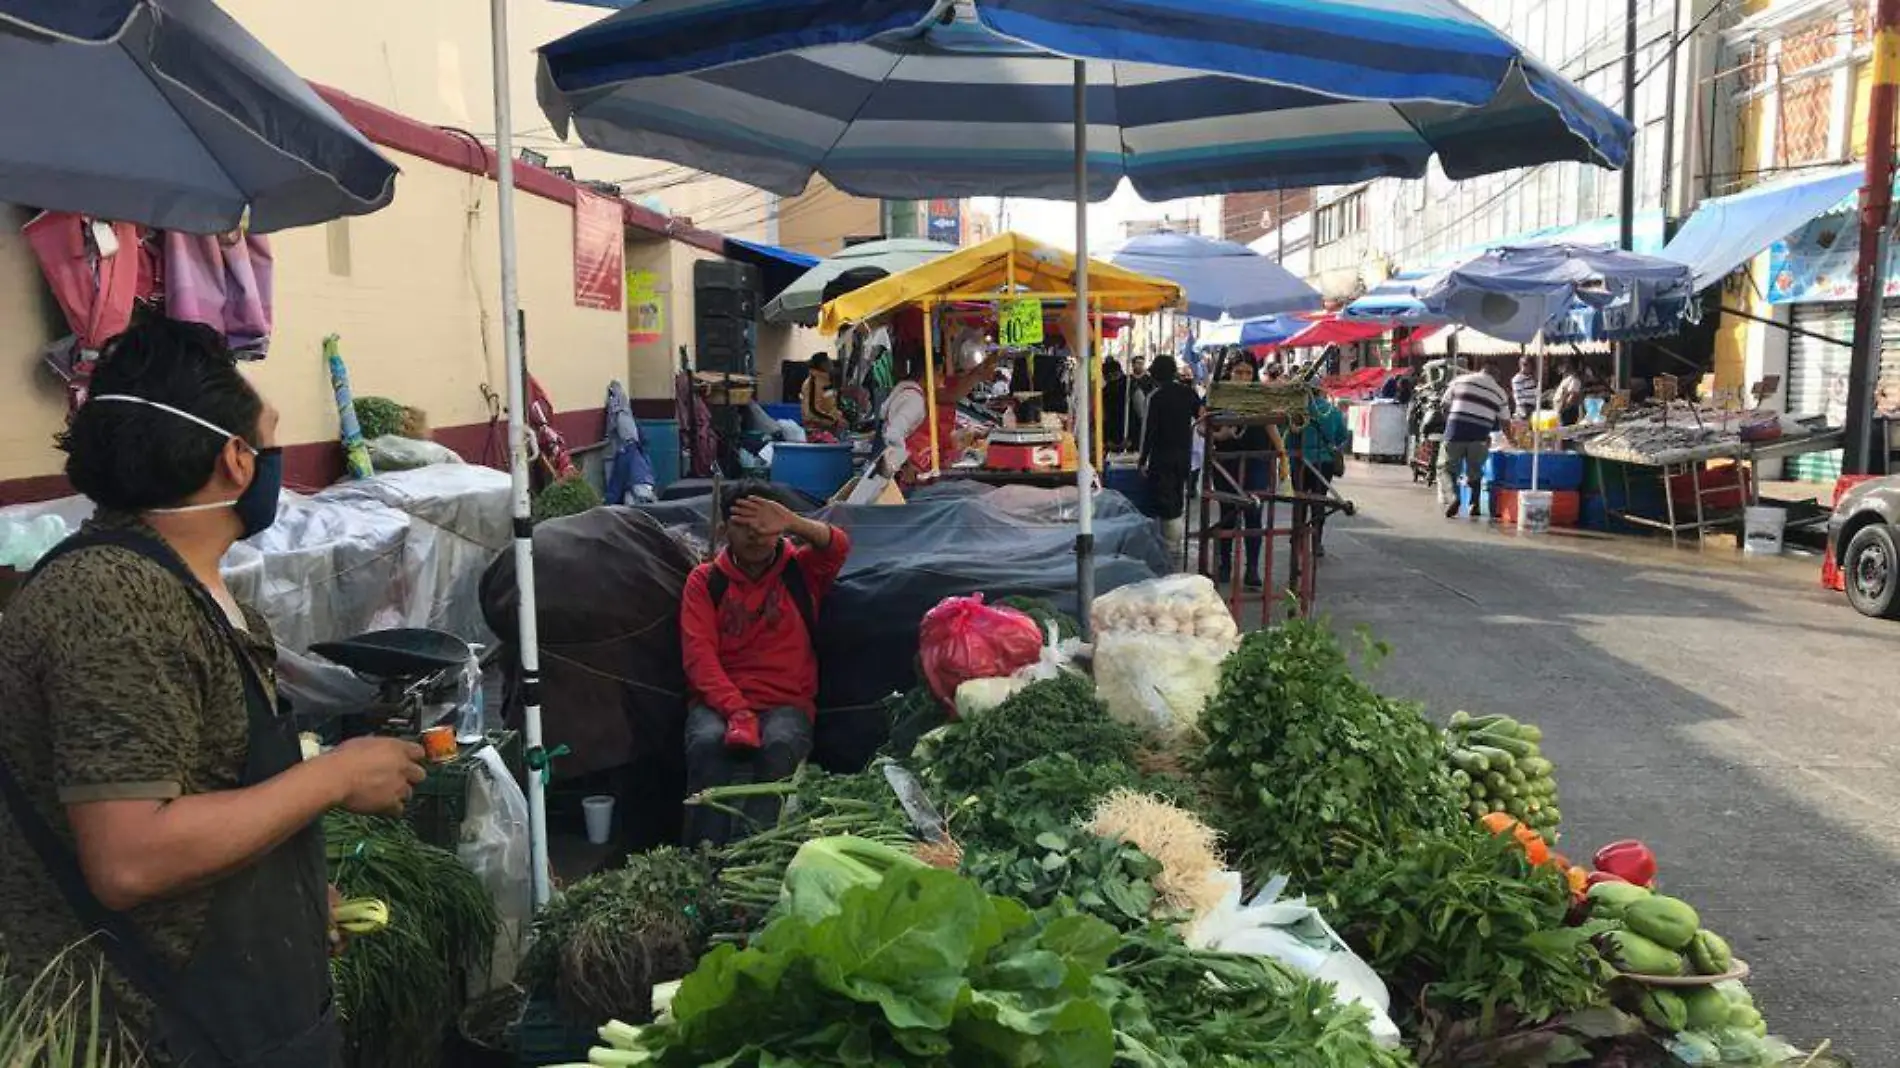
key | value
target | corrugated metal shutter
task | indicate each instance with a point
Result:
(1817, 380)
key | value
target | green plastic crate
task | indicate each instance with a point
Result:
(441, 800)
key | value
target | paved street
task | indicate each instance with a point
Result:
(1730, 713)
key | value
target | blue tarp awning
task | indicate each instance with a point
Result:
(758, 248)
(778, 267)
(1726, 232)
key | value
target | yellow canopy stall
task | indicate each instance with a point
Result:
(1007, 267)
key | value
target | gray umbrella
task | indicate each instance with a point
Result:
(800, 301)
(168, 113)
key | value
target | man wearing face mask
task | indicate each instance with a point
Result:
(158, 812)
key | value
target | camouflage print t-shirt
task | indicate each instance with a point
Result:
(113, 686)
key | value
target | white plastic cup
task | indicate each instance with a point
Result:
(599, 813)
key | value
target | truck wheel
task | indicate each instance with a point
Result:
(1872, 572)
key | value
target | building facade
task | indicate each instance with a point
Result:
(1362, 234)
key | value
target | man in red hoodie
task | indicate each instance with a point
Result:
(746, 631)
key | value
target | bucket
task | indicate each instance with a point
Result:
(662, 438)
(1533, 512)
(1762, 530)
(598, 811)
(820, 470)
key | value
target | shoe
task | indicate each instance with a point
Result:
(1252, 581)
(1226, 578)
(742, 731)
(1319, 551)
(1451, 510)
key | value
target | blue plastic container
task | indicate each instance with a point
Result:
(1128, 481)
(1555, 470)
(662, 438)
(820, 470)
(789, 412)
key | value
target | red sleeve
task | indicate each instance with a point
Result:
(821, 566)
(699, 645)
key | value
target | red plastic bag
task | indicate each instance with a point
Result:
(963, 639)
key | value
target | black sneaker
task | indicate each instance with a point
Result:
(1252, 580)
(1452, 511)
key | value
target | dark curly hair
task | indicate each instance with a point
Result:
(132, 457)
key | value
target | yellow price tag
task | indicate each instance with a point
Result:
(1019, 323)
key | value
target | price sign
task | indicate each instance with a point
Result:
(1019, 323)
(1667, 388)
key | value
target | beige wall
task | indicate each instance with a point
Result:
(817, 221)
(418, 313)
(430, 60)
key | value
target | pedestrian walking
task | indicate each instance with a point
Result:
(1474, 410)
(1167, 448)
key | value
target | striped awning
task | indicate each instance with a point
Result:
(910, 99)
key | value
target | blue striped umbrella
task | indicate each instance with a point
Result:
(915, 98)
(909, 99)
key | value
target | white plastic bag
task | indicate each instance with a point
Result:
(494, 846)
(1295, 934)
(1176, 604)
(1058, 657)
(1158, 683)
(394, 453)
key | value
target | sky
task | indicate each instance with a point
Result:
(1053, 221)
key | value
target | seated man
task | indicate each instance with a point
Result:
(818, 400)
(746, 632)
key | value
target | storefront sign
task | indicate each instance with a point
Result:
(646, 309)
(1019, 323)
(945, 221)
(1818, 262)
(600, 254)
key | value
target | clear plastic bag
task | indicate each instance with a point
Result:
(1295, 934)
(1176, 604)
(1158, 683)
(494, 846)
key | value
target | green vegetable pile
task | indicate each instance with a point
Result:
(399, 991)
(378, 416)
(608, 939)
(1307, 765)
(1044, 613)
(1496, 762)
(569, 496)
(1462, 923)
(922, 968)
(1059, 715)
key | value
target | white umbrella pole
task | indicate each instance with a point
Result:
(527, 641)
(1083, 344)
(1537, 438)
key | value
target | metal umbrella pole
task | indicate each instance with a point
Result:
(527, 639)
(1084, 465)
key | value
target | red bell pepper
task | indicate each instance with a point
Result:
(1605, 877)
(1629, 859)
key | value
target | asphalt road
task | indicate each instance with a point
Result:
(1729, 712)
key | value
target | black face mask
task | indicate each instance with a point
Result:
(256, 507)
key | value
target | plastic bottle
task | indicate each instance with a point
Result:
(471, 722)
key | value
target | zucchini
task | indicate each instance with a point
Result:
(1461, 779)
(1483, 723)
(1478, 809)
(1460, 718)
(1517, 777)
(1538, 767)
(1530, 732)
(1517, 747)
(1497, 806)
(1469, 762)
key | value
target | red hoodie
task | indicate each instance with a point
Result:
(753, 652)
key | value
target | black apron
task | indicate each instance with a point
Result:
(257, 991)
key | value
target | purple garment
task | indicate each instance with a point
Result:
(224, 285)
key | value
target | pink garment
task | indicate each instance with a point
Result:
(96, 292)
(224, 283)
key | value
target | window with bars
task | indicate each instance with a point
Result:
(1340, 219)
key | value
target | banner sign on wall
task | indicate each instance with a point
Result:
(1818, 262)
(600, 252)
(646, 312)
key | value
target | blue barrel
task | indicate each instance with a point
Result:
(662, 438)
(820, 470)
(1129, 482)
(788, 412)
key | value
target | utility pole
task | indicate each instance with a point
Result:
(1626, 208)
(1876, 208)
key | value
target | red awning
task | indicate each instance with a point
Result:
(1333, 330)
